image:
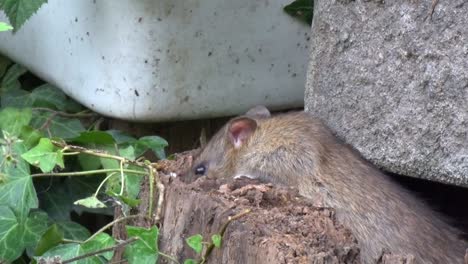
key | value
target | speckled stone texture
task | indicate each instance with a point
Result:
(393, 81)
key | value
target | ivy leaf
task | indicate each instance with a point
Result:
(49, 96)
(13, 120)
(195, 242)
(90, 202)
(101, 241)
(302, 10)
(190, 261)
(54, 198)
(127, 152)
(15, 97)
(16, 189)
(133, 182)
(5, 27)
(89, 162)
(17, 233)
(34, 227)
(65, 251)
(51, 238)
(71, 250)
(73, 231)
(57, 126)
(216, 238)
(145, 249)
(45, 155)
(10, 246)
(14, 72)
(94, 137)
(30, 136)
(155, 143)
(18, 11)
(120, 137)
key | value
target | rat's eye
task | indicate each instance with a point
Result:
(200, 169)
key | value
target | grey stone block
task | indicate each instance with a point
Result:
(393, 81)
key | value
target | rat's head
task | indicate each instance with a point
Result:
(220, 156)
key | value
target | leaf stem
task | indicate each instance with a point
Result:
(70, 153)
(168, 257)
(122, 178)
(65, 114)
(118, 220)
(71, 241)
(221, 233)
(97, 252)
(102, 183)
(84, 173)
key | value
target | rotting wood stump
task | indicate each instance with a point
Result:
(282, 227)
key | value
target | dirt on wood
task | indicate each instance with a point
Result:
(282, 227)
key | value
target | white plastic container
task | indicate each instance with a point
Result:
(156, 60)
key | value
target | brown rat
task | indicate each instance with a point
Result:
(296, 149)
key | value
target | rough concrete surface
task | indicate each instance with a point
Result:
(392, 80)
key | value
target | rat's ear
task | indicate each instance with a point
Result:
(258, 111)
(240, 129)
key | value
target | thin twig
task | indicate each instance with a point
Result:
(97, 252)
(84, 173)
(169, 257)
(151, 191)
(118, 220)
(221, 233)
(65, 114)
(161, 190)
(433, 6)
(71, 241)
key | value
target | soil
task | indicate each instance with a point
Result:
(281, 227)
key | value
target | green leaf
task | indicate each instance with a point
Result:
(34, 227)
(49, 96)
(65, 251)
(45, 155)
(133, 182)
(51, 238)
(195, 242)
(73, 231)
(18, 192)
(90, 202)
(15, 97)
(30, 136)
(13, 73)
(10, 246)
(216, 238)
(18, 11)
(155, 143)
(145, 249)
(101, 241)
(5, 27)
(17, 233)
(94, 137)
(89, 162)
(13, 120)
(120, 137)
(54, 198)
(302, 10)
(127, 152)
(57, 126)
(68, 251)
(16, 189)
(190, 261)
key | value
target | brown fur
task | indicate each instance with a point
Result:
(298, 150)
